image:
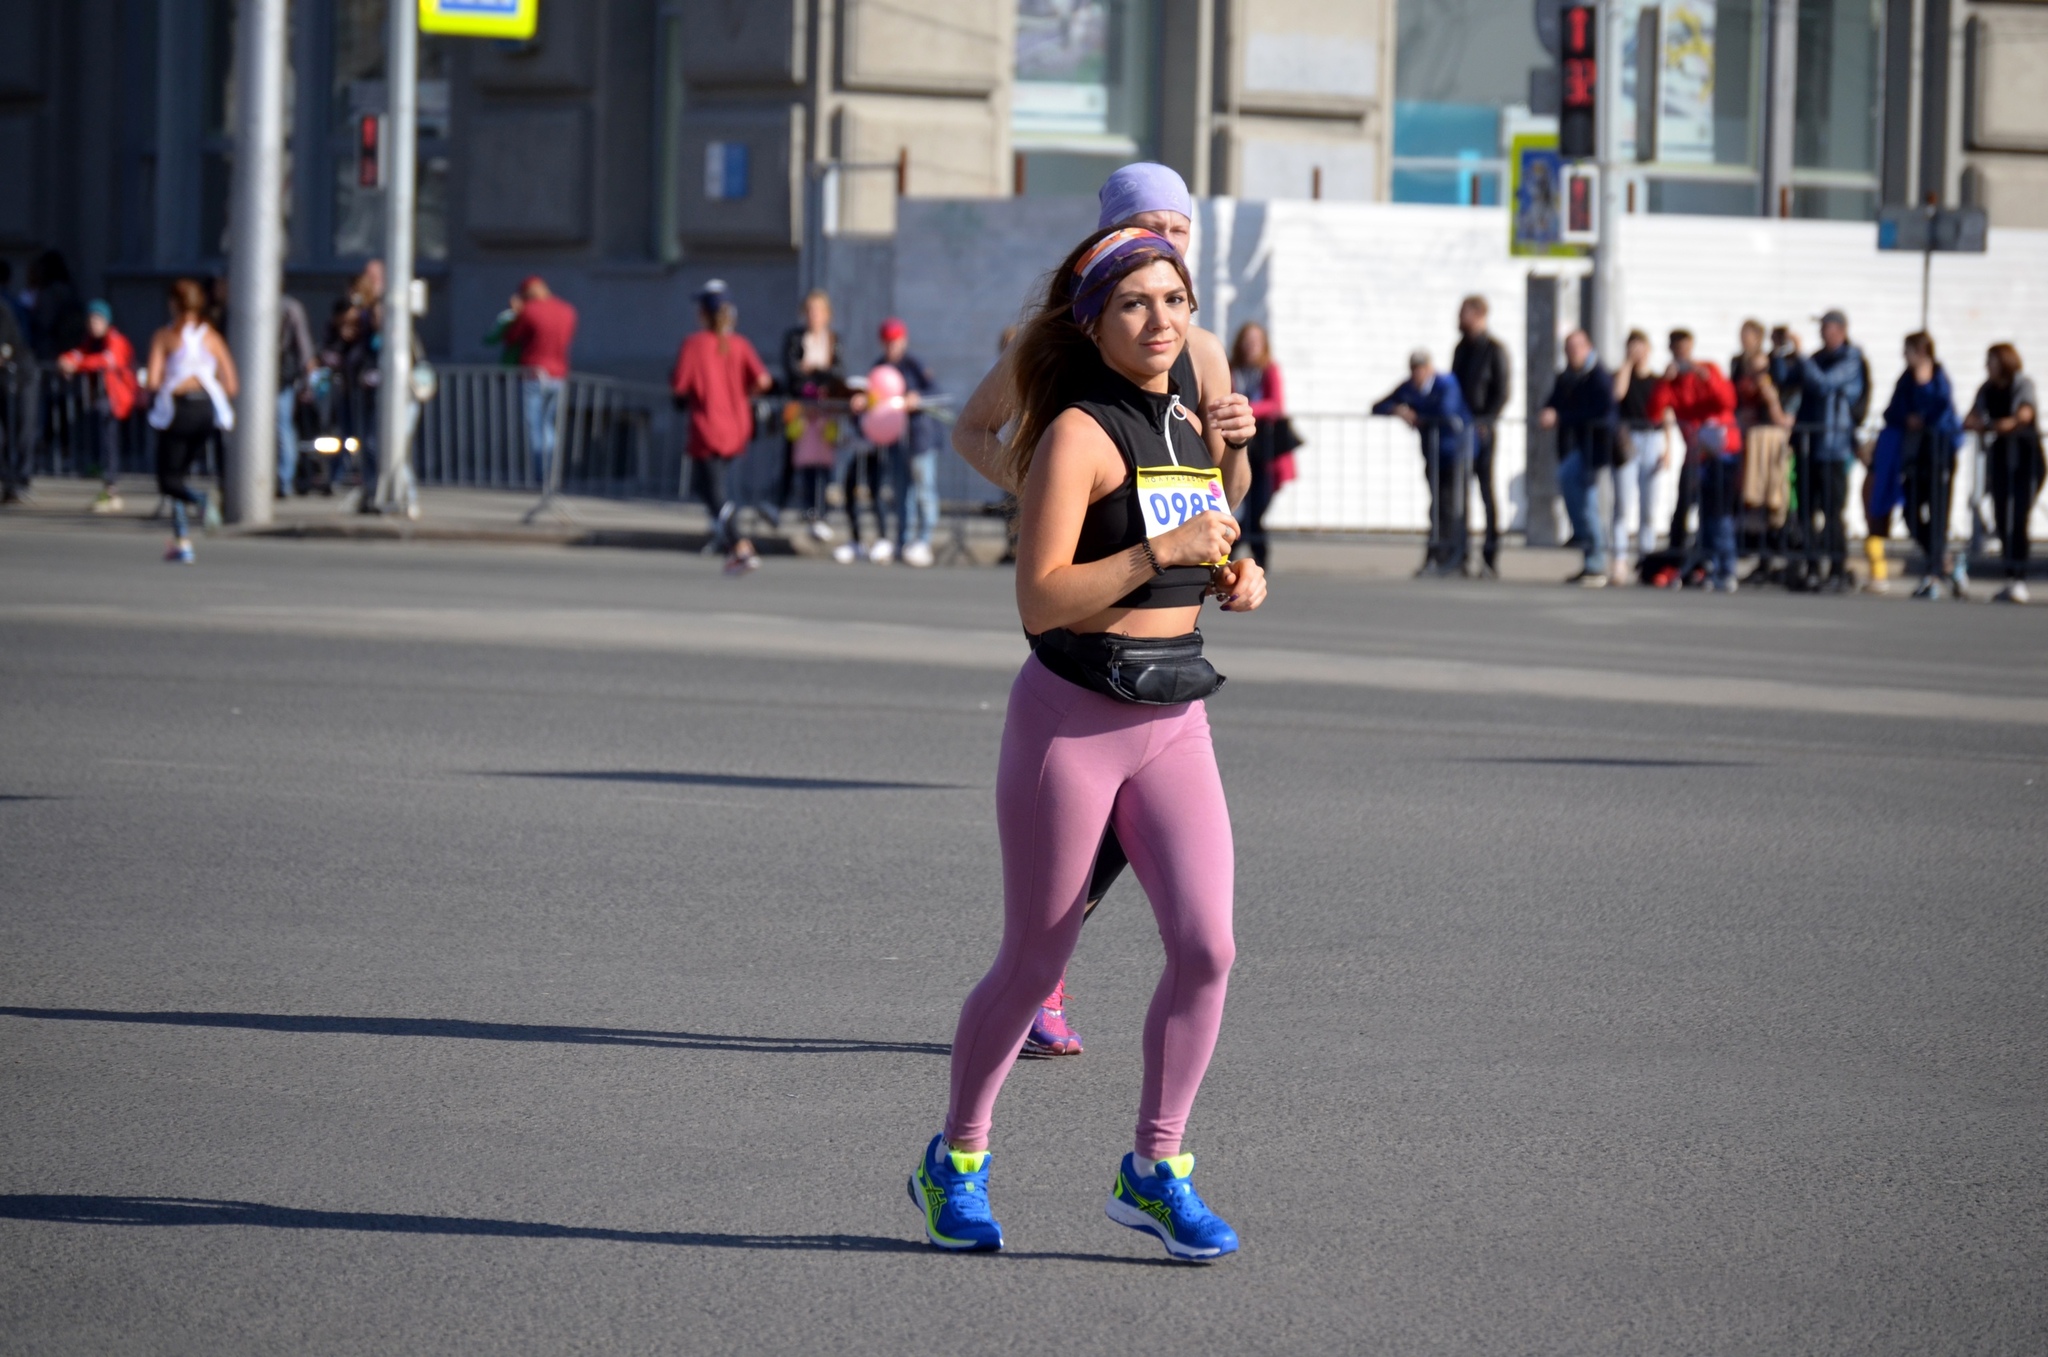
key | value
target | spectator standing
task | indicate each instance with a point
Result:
(543, 332)
(1581, 408)
(717, 375)
(109, 358)
(1430, 403)
(1766, 475)
(1702, 402)
(1480, 363)
(913, 458)
(1255, 376)
(17, 383)
(812, 372)
(2008, 409)
(20, 390)
(1836, 394)
(296, 364)
(192, 378)
(14, 306)
(1913, 462)
(1642, 452)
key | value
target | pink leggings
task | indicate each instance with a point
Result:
(1073, 761)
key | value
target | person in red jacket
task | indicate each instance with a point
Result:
(717, 376)
(542, 332)
(1701, 401)
(107, 354)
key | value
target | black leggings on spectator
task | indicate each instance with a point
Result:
(2014, 474)
(871, 460)
(1830, 493)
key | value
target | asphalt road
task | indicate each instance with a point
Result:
(466, 949)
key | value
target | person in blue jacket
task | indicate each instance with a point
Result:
(1835, 389)
(1581, 409)
(1914, 461)
(1431, 403)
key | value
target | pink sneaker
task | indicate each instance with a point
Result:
(1049, 1034)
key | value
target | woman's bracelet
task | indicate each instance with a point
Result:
(1151, 557)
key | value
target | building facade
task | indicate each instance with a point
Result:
(1795, 108)
(634, 148)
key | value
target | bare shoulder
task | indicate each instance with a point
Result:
(1074, 448)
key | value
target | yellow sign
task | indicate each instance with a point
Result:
(480, 18)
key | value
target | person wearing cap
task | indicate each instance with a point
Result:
(1837, 391)
(1150, 197)
(717, 375)
(913, 458)
(1431, 403)
(106, 353)
(542, 332)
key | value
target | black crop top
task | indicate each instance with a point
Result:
(1134, 419)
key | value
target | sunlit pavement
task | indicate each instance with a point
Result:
(462, 948)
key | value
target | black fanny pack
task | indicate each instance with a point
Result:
(1153, 672)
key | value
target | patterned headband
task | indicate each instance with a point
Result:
(1096, 275)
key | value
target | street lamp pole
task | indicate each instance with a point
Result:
(256, 248)
(401, 144)
(1604, 325)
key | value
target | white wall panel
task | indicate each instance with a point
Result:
(1348, 289)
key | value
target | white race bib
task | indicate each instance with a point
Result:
(1169, 496)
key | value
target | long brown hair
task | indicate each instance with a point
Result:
(1053, 353)
(188, 296)
(1237, 358)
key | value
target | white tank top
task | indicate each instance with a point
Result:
(192, 358)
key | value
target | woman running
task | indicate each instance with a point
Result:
(193, 376)
(1123, 533)
(1152, 197)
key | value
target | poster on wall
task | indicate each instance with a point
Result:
(1536, 192)
(1685, 127)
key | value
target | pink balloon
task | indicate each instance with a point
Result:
(885, 419)
(885, 425)
(885, 380)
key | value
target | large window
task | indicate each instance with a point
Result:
(1835, 123)
(1706, 61)
(1083, 97)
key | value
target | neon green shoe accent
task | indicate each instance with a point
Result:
(1183, 1165)
(970, 1161)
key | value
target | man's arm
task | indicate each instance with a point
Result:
(977, 432)
(1227, 423)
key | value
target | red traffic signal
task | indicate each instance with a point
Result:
(370, 151)
(1578, 83)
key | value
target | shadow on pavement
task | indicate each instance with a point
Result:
(787, 784)
(1618, 763)
(204, 1211)
(490, 1031)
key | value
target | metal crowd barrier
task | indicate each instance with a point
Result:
(64, 428)
(614, 438)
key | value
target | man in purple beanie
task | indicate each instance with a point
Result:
(1151, 197)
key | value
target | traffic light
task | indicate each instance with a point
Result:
(1578, 83)
(370, 151)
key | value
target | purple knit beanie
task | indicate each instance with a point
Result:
(1143, 187)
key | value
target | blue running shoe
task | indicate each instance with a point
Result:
(951, 1189)
(1167, 1205)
